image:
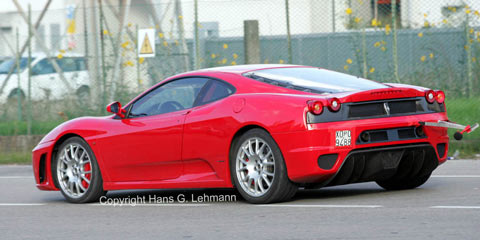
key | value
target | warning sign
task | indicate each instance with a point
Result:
(146, 42)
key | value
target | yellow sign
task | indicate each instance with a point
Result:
(146, 40)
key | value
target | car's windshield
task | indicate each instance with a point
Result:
(5, 66)
(313, 80)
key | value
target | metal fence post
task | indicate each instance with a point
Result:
(289, 36)
(19, 97)
(29, 63)
(197, 40)
(395, 46)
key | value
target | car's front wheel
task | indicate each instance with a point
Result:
(76, 172)
(258, 169)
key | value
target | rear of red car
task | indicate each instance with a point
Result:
(369, 134)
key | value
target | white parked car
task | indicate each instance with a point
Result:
(45, 81)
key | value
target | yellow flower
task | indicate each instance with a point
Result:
(383, 49)
(281, 61)
(165, 43)
(377, 44)
(349, 61)
(233, 63)
(224, 61)
(128, 63)
(431, 55)
(345, 67)
(388, 29)
(372, 70)
(129, 24)
(161, 35)
(59, 56)
(235, 56)
(426, 24)
(357, 19)
(425, 15)
(374, 22)
(62, 51)
(213, 55)
(420, 34)
(468, 11)
(453, 9)
(348, 11)
(471, 31)
(125, 44)
(225, 46)
(423, 58)
(180, 17)
(444, 21)
(476, 13)
(141, 60)
(105, 32)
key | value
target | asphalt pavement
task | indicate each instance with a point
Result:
(446, 207)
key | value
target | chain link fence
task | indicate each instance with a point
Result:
(82, 54)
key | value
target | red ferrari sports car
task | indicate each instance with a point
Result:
(265, 130)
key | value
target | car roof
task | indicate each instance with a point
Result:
(240, 69)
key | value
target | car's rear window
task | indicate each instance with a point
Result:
(313, 80)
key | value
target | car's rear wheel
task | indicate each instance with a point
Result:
(77, 173)
(405, 183)
(258, 169)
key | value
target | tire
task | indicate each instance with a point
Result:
(76, 173)
(12, 96)
(83, 93)
(405, 183)
(258, 169)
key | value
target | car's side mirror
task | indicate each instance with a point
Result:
(116, 108)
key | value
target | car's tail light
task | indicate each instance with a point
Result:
(430, 96)
(334, 104)
(440, 96)
(315, 107)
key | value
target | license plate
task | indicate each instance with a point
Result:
(343, 138)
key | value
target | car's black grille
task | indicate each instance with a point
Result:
(377, 109)
(383, 108)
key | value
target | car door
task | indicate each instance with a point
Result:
(147, 144)
(206, 132)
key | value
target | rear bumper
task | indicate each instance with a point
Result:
(302, 150)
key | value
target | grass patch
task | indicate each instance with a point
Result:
(16, 158)
(20, 128)
(464, 111)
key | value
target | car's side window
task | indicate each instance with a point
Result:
(170, 97)
(68, 64)
(43, 67)
(214, 91)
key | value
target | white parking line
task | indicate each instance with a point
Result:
(456, 207)
(318, 206)
(456, 176)
(20, 204)
(16, 177)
